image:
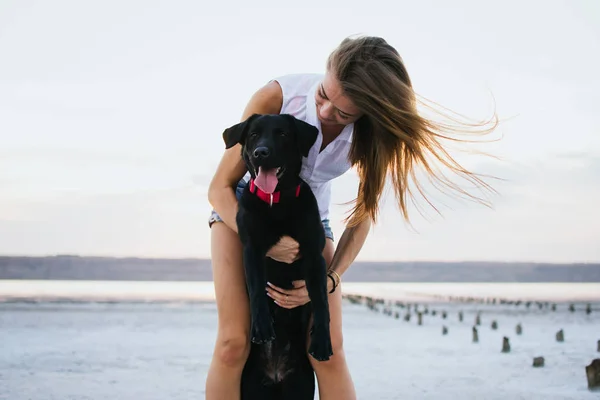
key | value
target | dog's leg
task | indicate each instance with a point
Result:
(262, 323)
(316, 285)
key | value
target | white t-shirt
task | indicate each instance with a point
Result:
(318, 169)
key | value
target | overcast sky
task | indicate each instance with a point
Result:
(111, 116)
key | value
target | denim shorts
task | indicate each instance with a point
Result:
(214, 217)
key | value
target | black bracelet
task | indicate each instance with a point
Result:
(334, 285)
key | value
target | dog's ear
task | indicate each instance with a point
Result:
(306, 134)
(237, 133)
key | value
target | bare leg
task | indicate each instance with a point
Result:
(333, 376)
(232, 346)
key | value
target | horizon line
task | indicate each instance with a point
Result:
(66, 255)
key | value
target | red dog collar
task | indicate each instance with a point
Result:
(268, 197)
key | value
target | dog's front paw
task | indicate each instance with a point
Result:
(262, 331)
(320, 345)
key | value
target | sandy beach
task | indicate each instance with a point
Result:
(157, 348)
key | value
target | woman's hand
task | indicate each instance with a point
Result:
(287, 250)
(289, 298)
(292, 298)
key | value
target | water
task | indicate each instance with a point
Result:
(204, 291)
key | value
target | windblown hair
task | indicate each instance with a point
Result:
(392, 138)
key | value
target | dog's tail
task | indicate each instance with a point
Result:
(276, 361)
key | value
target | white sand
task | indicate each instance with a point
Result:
(394, 359)
(162, 351)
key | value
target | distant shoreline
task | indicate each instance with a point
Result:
(67, 267)
(204, 260)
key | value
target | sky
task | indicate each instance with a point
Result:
(111, 116)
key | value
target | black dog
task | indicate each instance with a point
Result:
(278, 202)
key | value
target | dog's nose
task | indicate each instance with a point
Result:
(261, 152)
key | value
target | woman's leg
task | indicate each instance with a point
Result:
(333, 375)
(232, 345)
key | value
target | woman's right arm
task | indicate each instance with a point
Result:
(221, 191)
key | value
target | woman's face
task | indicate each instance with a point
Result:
(333, 107)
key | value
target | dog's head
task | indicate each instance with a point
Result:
(272, 148)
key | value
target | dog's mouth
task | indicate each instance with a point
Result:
(268, 178)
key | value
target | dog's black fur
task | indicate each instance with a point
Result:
(278, 366)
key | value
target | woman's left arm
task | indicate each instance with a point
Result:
(348, 248)
(350, 244)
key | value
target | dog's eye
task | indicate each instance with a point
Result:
(282, 133)
(253, 134)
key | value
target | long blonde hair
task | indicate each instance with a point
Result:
(392, 138)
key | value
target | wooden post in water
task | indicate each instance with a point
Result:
(505, 345)
(538, 362)
(475, 335)
(593, 374)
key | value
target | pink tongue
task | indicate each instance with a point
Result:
(266, 180)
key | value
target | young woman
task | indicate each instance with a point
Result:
(366, 111)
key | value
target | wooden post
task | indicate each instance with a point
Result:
(538, 362)
(593, 374)
(505, 345)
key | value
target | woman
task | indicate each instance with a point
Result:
(366, 112)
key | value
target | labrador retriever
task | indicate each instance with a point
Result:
(277, 202)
